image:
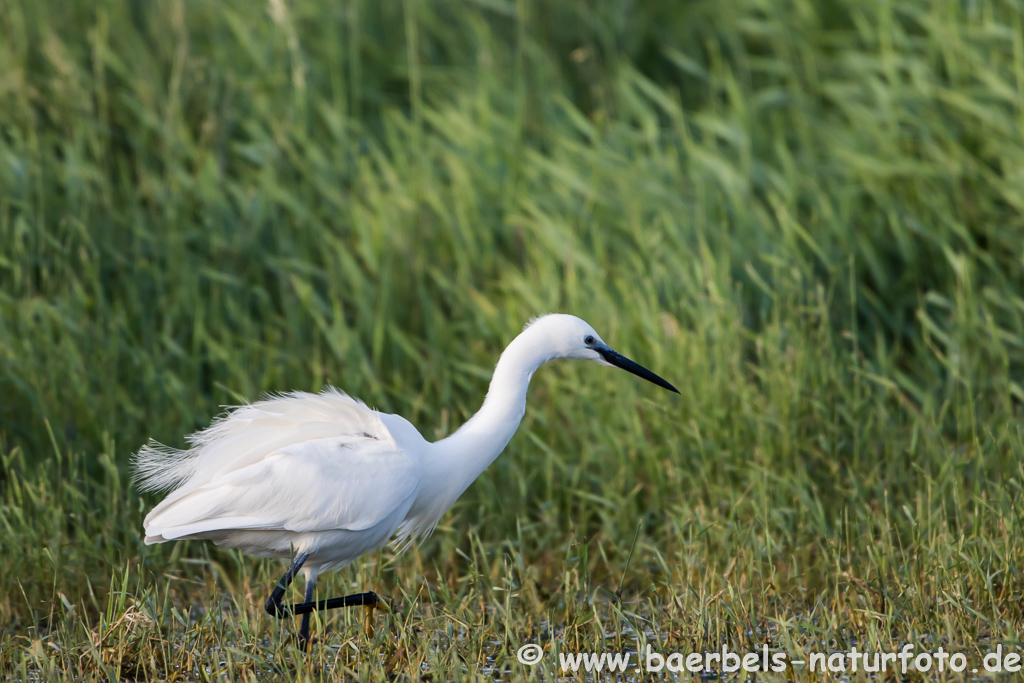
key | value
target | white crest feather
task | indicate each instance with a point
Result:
(536, 318)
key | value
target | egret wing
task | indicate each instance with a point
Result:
(318, 485)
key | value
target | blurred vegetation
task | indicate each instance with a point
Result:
(807, 216)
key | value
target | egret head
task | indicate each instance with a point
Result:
(571, 337)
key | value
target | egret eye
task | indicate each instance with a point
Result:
(588, 340)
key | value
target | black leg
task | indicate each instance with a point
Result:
(273, 604)
(276, 609)
(368, 599)
(304, 629)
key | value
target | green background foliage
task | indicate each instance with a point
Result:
(807, 216)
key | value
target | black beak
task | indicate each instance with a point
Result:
(620, 361)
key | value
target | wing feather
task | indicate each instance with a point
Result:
(322, 485)
(298, 462)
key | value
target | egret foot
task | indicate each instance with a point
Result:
(379, 602)
(368, 621)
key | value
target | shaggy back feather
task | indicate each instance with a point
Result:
(249, 433)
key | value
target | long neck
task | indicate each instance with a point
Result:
(466, 453)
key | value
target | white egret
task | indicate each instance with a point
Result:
(322, 478)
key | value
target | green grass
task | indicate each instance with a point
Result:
(807, 216)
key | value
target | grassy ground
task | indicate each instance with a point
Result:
(807, 216)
